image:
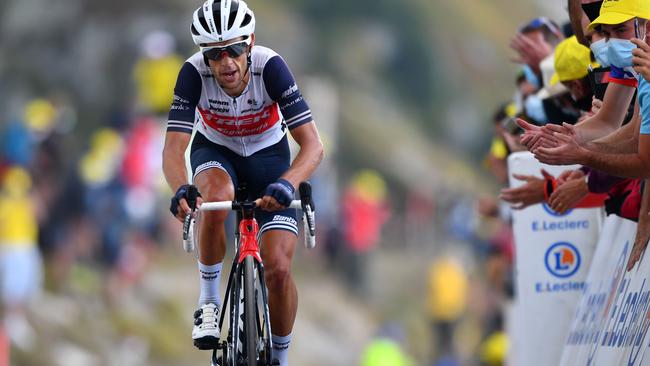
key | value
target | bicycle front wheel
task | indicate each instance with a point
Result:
(250, 312)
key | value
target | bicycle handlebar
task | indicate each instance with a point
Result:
(305, 204)
(233, 205)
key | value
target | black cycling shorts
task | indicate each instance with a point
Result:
(256, 172)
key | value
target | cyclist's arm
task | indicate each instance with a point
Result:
(180, 125)
(174, 158)
(610, 117)
(309, 156)
(282, 87)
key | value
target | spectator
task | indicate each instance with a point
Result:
(446, 300)
(364, 212)
(20, 260)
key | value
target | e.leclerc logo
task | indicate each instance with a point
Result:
(558, 222)
(552, 212)
(562, 259)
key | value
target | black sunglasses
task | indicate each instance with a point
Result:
(233, 50)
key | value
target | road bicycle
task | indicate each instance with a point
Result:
(248, 339)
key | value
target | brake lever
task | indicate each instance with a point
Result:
(307, 204)
(188, 223)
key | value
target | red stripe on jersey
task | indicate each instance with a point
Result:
(246, 125)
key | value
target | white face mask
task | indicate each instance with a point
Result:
(599, 48)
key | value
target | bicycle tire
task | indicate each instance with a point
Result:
(234, 336)
(250, 312)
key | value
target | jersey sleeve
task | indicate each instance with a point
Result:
(621, 76)
(644, 106)
(187, 93)
(282, 88)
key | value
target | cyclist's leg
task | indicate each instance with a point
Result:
(212, 176)
(214, 184)
(277, 254)
(278, 238)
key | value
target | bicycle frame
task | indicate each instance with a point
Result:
(243, 273)
(246, 245)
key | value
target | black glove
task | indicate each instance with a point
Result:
(282, 191)
(187, 191)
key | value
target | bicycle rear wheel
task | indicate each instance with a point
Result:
(250, 312)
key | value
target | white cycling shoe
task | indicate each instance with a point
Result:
(205, 333)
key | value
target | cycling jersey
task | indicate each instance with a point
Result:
(245, 124)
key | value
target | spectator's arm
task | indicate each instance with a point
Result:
(624, 140)
(636, 165)
(643, 228)
(575, 16)
(610, 117)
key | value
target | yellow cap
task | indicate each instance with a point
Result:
(16, 181)
(571, 60)
(620, 11)
(370, 185)
(511, 110)
(39, 115)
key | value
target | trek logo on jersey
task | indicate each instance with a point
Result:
(562, 259)
(245, 125)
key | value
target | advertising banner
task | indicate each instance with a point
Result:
(553, 256)
(612, 319)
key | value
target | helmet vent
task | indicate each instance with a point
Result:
(216, 15)
(194, 31)
(204, 23)
(234, 6)
(247, 19)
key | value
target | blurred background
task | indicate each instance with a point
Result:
(403, 94)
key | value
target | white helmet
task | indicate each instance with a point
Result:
(222, 20)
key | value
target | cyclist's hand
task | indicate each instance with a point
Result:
(277, 196)
(179, 206)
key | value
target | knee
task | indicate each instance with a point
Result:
(213, 193)
(278, 274)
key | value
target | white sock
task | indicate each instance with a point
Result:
(281, 349)
(210, 280)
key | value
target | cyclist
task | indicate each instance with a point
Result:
(241, 98)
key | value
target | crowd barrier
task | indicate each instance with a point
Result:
(553, 256)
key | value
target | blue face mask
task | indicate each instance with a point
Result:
(600, 49)
(619, 52)
(535, 109)
(530, 76)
